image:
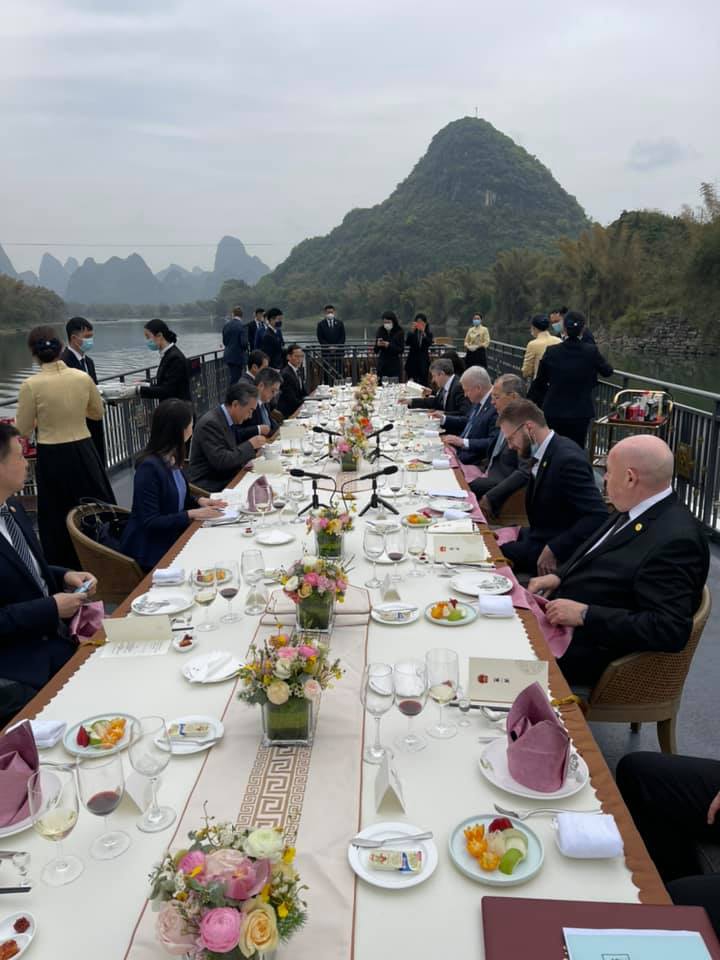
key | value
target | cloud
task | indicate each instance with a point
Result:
(655, 154)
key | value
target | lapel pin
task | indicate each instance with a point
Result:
(638, 527)
(545, 464)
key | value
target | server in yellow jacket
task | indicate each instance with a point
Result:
(542, 339)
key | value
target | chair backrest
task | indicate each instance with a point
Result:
(197, 491)
(643, 679)
(512, 513)
(443, 341)
(117, 575)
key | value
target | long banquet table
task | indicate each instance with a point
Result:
(320, 796)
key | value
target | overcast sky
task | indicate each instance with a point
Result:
(132, 122)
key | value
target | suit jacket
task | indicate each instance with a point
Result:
(331, 336)
(534, 352)
(155, 523)
(389, 359)
(262, 416)
(643, 585)
(457, 404)
(234, 338)
(292, 391)
(417, 362)
(172, 380)
(563, 504)
(505, 474)
(33, 641)
(57, 402)
(480, 429)
(94, 426)
(567, 376)
(271, 343)
(215, 456)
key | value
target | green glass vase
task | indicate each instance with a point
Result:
(315, 612)
(289, 723)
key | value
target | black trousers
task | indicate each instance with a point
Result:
(571, 427)
(235, 371)
(524, 552)
(668, 798)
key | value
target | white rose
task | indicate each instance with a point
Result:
(309, 562)
(292, 584)
(264, 843)
(283, 669)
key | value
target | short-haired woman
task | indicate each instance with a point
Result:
(389, 347)
(172, 379)
(56, 403)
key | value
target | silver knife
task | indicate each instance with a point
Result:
(25, 889)
(371, 844)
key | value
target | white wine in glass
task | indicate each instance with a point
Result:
(442, 674)
(54, 807)
(204, 593)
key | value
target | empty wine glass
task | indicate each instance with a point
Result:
(396, 548)
(373, 547)
(54, 807)
(411, 691)
(377, 695)
(396, 482)
(416, 543)
(149, 753)
(102, 785)
(464, 705)
(253, 571)
(380, 485)
(442, 678)
(204, 593)
(229, 589)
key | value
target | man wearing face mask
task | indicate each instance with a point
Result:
(76, 354)
(271, 341)
(331, 337)
(557, 326)
(562, 502)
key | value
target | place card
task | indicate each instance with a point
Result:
(459, 548)
(500, 681)
(291, 431)
(388, 788)
(139, 789)
(137, 636)
(262, 465)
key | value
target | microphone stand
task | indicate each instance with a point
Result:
(315, 501)
(376, 454)
(375, 500)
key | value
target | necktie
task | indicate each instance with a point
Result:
(83, 364)
(471, 421)
(499, 443)
(620, 520)
(21, 547)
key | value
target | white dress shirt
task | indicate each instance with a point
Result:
(540, 452)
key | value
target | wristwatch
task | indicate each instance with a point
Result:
(584, 614)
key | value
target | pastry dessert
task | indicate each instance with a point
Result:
(405, 861)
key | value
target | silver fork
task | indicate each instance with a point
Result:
(524, 814)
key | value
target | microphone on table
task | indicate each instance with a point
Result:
(375, 500)
(329, 433)
(393, 468)
(376, 433)
(298, 472)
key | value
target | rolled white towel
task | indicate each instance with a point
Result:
(169, 575)
(454, 515)
(495, 606)
(440, 463)
(46, 732)
(585, 836)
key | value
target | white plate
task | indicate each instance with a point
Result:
(228, 669)
(257, 513)
(377, 614)
(489, 584)
(448, 503)
(466, 864)
(23, 940)
(274, 538)
(494, 767)
(180, 635)
(470, 615)
(180, 749)
(429, 521)
(72, 747)
(21, 825)
(420, 468)
(174, 603)
(393, 879)
(226, 575)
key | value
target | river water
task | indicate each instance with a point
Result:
(120, 346)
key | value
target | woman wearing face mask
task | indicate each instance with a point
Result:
(389, 347)
(172, 379)
(477, 340)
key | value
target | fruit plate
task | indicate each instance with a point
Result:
(418, 524)
(180, 749)
(23, 940)
(71, 745)
(417, 466)
(470, 615)
(359, 859)
(46, 783)
(395, 614)
(494, 767)
(466, 864)
(489, 584)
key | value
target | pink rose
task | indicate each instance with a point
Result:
(222, 861)
(196, 858)
(311, 579)
(341, 585)
(247, 879)
(220, 929)
(173, 931)
(323, 522)
(323, 584)
(312, 689)
(287, 653)
(307, 651)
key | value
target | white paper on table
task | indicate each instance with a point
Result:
(138, 788)
(500, 681)
(291, 431)
(263, 465)
(137, 636)
(388, 788)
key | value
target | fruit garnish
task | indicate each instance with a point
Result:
(489, 861)
(21, 925)
(83, 737)
(500, 823)
(510, 859)
(453, 602)
(186, 640)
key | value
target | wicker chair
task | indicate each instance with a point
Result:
(648, 686)
(117, 575)
(197, 491)
(512, 512)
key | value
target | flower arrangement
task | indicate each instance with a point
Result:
(330, 521)
(314, 575)
(364, 395)
(353, 437)
(232, 893)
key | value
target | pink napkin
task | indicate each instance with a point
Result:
(469, 470)
(260, 492)
(538, 745)
(507, 535)
(557, 638)
(18, 761)
(87, 621)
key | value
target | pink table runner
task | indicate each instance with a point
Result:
(469, 470)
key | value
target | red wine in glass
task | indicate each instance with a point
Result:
(104, 802)
(395, 556)
(410, 708)
(228, 593)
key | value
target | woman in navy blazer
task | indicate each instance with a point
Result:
(163, 506)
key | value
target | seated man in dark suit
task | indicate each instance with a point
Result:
(292, 389)
(262, 423)
(257, 361)
(215, 456)
(637, 582)
(562, 502)
(34, 640)
(473, 436)
(449, 397)
(504, 472)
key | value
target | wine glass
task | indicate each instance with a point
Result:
(54, 807)
(442, 677)
(149, 751)
(307, 446)
(416, 543)
(396, 548)
(229, 589)
(380, 483)
(102, 785)
(264, 504)
(204, 593)
(377, 695)
(253, 571)
(411, 691)
(464, 705)
(296, 492)
(396, 482)
(374, 548)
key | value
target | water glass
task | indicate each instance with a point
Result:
(377, 696)
(54, 807)
(373, 547)
(411, 690)
(416, 543)
(442, 674)
(296, 493)
(464, 705)
(102, 786)
(149, 751)
(229, 589)
(204, 593)
(253, 571)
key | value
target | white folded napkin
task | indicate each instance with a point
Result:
(46, 732)
(587, 835)
(169, 575)
(229, 515)
(451, 514)
(495, 606)
(440, 463)
(449, 494)
(214, 665)
(429, 433)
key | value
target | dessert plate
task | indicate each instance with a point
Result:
(70, 744)
(470, 615)
(393, 879)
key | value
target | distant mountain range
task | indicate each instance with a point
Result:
(130, 280)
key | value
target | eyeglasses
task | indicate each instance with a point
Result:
(511, 435)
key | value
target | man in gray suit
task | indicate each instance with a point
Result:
(215, 455)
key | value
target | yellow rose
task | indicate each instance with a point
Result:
(259, 931)
(305, 590)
